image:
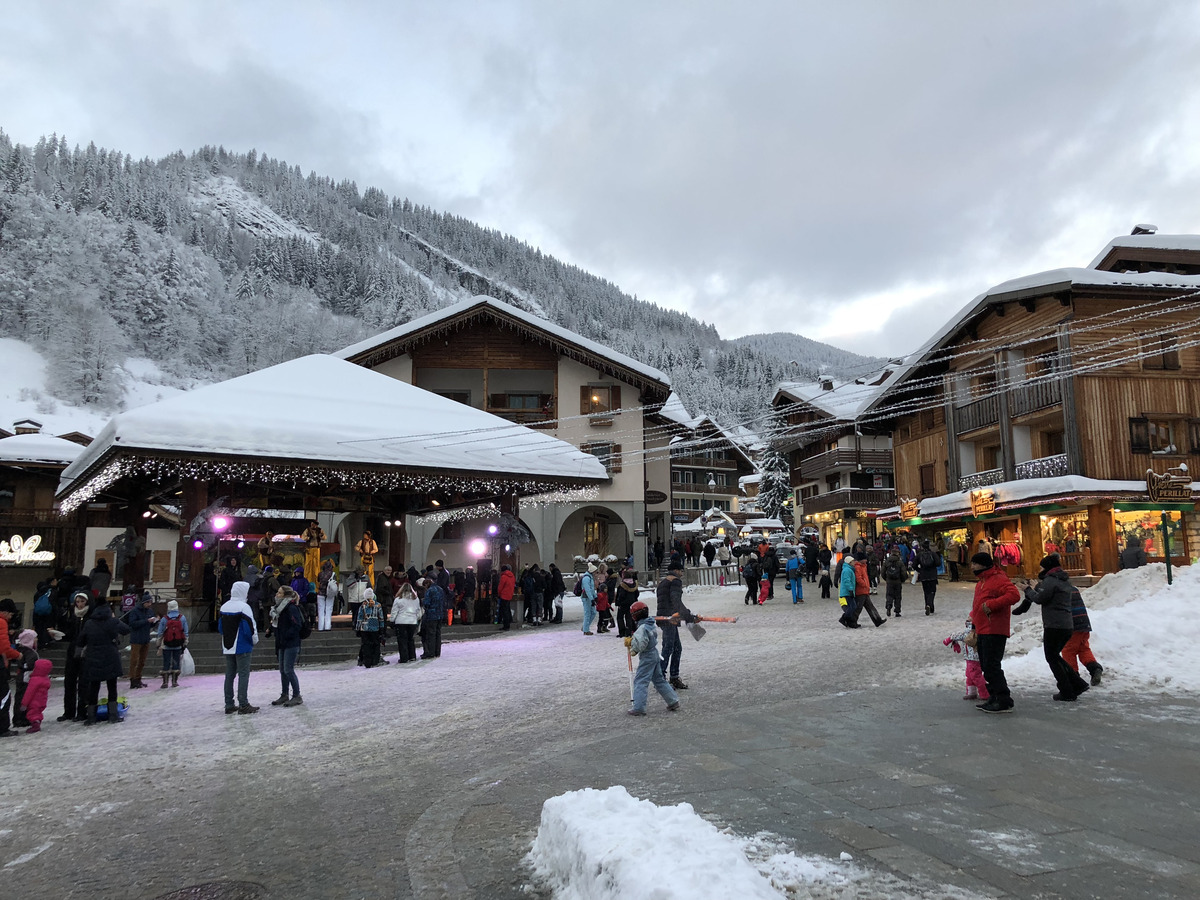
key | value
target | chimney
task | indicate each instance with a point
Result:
(27, 426)
(1144, 229)
(826, 383)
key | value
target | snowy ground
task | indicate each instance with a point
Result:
(798, 740)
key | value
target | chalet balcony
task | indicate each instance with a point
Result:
(977, 480)
(1046, 467)
(849, 498)
(700, 462)
(983, 413)
(534, 418)
(1035, 396)
(841, 460)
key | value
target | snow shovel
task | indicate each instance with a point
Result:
(696, 630)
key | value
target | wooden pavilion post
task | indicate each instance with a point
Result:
(189, 568)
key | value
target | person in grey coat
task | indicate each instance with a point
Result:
(1055, 594)
(102, 660)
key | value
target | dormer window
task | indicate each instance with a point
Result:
(599, 402)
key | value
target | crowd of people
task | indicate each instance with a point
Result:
(411, 605)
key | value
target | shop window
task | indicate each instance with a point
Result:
(1066, 535)
(599, 402)
(1143, 528)
(1160, 354)
(609, 454)
(928, 488)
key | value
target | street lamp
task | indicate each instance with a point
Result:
(712, 486)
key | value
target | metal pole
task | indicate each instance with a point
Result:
(1166, 519)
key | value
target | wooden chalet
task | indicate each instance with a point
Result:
(1030, 420)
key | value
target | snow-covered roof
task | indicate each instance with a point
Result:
(765, 524)
(503, 309)
(1011, 493)
(845, 400)
(674, 410)
(1148, 242)
(38, 448)
(1037, 284)
(297, 410)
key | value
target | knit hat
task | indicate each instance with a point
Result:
(421, 582)
(368, 594)
(27, 638)
(147, 597)
(1051, 561)
(172, 606)
(591, 568)
(983, 560)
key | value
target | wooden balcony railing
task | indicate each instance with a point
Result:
(1036, 395)
(841, 459)
(980, 414)
(850, 498)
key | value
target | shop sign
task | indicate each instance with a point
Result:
(910, 509)
(679, 518)
(983, 503)
(24, 552)
(1173, 487)
(877, 481)
(653, 497)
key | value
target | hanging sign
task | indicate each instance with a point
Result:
(654, 497)
(24, 552)
(910, 509)
(983, 503)
(1173, 487)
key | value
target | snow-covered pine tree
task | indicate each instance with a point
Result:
(774, 488)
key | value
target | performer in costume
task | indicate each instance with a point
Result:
(313, 536)
(264, 550)
(367, 548)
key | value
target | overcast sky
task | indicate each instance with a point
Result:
(852, 171)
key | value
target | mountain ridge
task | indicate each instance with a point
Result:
(215, 263)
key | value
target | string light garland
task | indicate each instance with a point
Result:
(257, 472)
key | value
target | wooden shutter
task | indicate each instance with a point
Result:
(1194, 435)
(614, 458)
(614, 397)
(585, 400)
(160, 566)
(110, 557)
(1139, 434)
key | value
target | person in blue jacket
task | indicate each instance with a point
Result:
(846, 591)
(239, 634)
(795, 574)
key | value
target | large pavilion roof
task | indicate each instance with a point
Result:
(322, 420)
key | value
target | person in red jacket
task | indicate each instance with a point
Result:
(37, 692)
(991, 615)
(8, 611)
(504, 592)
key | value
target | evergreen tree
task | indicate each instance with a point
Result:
(774, 488)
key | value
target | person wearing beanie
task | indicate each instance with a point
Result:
(37, 692)
(141, 618)
(990, 614)
(862, 590)
(239, 634)
(27, 647)
(1055, 594)
(434, 601)
(643, 644)
(172, 636)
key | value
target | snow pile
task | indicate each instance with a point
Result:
(1144, 632)
(608, 845)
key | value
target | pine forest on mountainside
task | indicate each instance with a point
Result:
(214, 264)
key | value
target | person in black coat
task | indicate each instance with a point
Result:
(74, 684)
(102, 660)
(555, 592)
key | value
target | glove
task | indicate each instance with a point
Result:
(697, 619)
(628, 642)
(1022, 607)
(957, 648)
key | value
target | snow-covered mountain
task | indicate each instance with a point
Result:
(127, 275)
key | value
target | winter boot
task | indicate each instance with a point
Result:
(34, 729)
(166, 676)
(295, 701)
(677, 683)
(1096, 670)
(175, 679)
(91, 716)
(247, 710)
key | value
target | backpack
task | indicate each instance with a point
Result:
(305, 627)
(579, 586)
(41, 606)
(173, 635)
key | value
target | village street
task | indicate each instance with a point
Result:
(427, 781)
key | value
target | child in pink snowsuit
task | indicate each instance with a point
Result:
(976, 686)
(764, 589)
(37, 692)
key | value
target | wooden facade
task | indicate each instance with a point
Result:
(1063, 377)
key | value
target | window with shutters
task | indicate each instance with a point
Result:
(1139, 435)
(599, 401)
(608, 454)
(1194, 436)
(927, 485)
(1162, 437)
(1160, 354)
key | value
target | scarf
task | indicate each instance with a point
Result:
(278, 608)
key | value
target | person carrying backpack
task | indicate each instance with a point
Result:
(795, 573)
(173, 637)
(894, 573)
(927, 563)
(43, 611)
(752, 573)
